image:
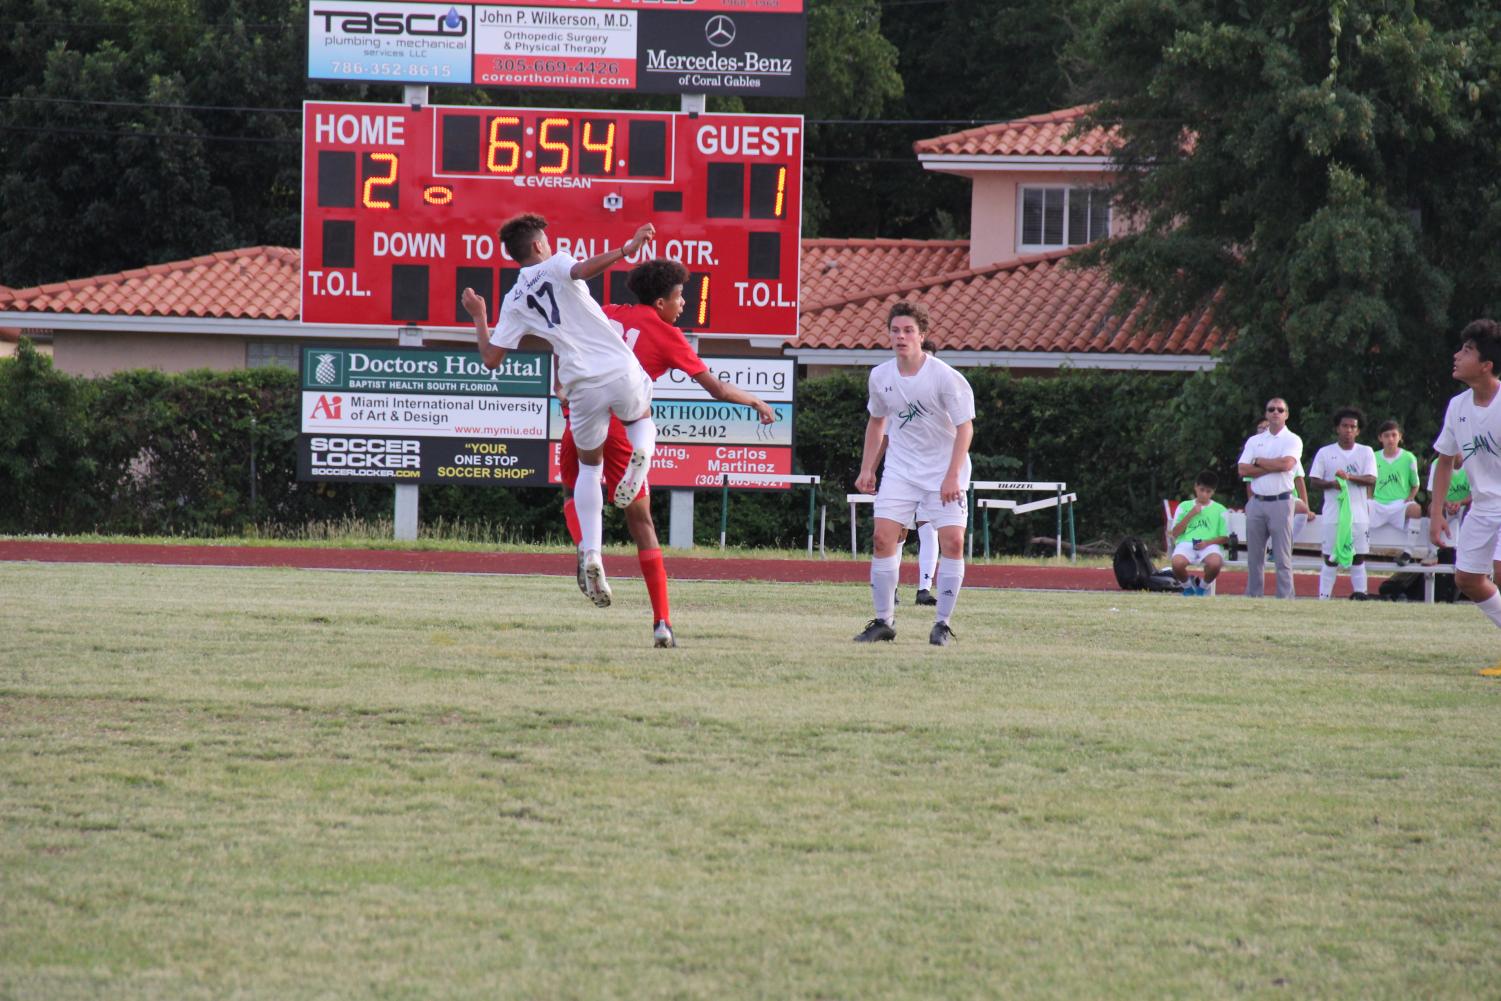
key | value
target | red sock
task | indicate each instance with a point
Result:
(655, 574)
(571, 515)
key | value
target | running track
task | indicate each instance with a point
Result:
(563, 565)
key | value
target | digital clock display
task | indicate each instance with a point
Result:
(401, 207)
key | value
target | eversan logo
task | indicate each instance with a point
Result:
(719, 31)
(328, 407)
(326, 373)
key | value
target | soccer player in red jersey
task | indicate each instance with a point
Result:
(659, 346)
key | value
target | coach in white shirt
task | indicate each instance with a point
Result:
(1270, 460)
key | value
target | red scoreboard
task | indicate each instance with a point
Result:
(401, 207)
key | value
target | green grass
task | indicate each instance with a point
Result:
(289, 784)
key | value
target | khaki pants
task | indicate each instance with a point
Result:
(1272, 521)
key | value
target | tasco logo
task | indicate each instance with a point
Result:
(328, 407)
(422, 25)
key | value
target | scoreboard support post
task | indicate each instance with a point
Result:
(404, 513)
(680, 516)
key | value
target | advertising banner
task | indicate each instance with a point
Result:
(480, 462)
(709, 47)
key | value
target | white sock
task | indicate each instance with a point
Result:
(1358, 578)
(642, 434)
(589, 504)
(927, 555)
(1327, 577)
(950, 580)
(1491, 607)
(883, 574)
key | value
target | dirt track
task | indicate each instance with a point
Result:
(562, 564)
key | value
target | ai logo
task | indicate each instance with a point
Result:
(326, 373)
(327, 407)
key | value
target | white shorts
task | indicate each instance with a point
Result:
(1360, 535)
(903, 502)
(628, 396)
(1393, 513)
(1186, 550)
(1475, 549)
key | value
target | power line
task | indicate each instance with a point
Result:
(195, 136)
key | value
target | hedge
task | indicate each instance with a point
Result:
(144, 452)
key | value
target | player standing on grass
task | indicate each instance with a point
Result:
(926, 411)
(1472, 429)
(647, 329)
(598, 373)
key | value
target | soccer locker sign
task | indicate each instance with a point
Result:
(423, 416)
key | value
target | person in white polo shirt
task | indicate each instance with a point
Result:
(1472, 434)
(1345, 461)
(1270, 459)
(926, 411)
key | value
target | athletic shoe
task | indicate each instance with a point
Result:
(594, 574)
(875, 631)
(941, 635)
(925, 597)
(633, 477)
(583, 580)
(662, 635)
(1490, 672)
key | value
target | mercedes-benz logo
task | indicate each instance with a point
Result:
(720, 31)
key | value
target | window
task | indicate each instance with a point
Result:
(260, 354)
(1063, 217)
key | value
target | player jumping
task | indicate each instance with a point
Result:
(597, 371)
(659, 346)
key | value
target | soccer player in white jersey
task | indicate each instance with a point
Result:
(926, 411)
(1348, 460)
(597, 371)
(1472, 430)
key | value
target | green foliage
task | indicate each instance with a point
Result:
(1329, 172)
(145, 452)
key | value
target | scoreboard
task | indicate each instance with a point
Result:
(401, 206)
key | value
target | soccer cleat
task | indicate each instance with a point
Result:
(598, 589)
(662, 635)
(583, 579)
(876, 631)
(633, 477)
(1490, 672)
(925, 597)
(941, 635)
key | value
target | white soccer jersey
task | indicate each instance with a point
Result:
(1360, 460)
(922, 412)
(552, 305)
(1475, 433)
(1266, 445)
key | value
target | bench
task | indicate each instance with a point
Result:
(1058, 500)
(726, 480)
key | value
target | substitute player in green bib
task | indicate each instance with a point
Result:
(1392, 501)
(1200, 527)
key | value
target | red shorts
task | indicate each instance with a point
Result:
(617, 456)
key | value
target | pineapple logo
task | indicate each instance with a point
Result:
(326, 371)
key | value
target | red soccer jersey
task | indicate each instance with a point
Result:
(657, 344)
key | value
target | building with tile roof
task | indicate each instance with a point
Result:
(1004, 297)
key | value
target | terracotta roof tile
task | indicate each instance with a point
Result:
(250, 283)
(836, 269)
(1034, 304)
(1049, 134)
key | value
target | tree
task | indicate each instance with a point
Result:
(1328, 174)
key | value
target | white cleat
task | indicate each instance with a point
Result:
(662, 635)
(633, 477)
(598, 589)
(583, 578)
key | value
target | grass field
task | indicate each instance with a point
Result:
(289, 784)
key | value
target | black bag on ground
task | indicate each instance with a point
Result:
(1134, 570)
(1409, 586)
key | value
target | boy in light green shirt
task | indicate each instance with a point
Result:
(1200, 527)
(1397, 482)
